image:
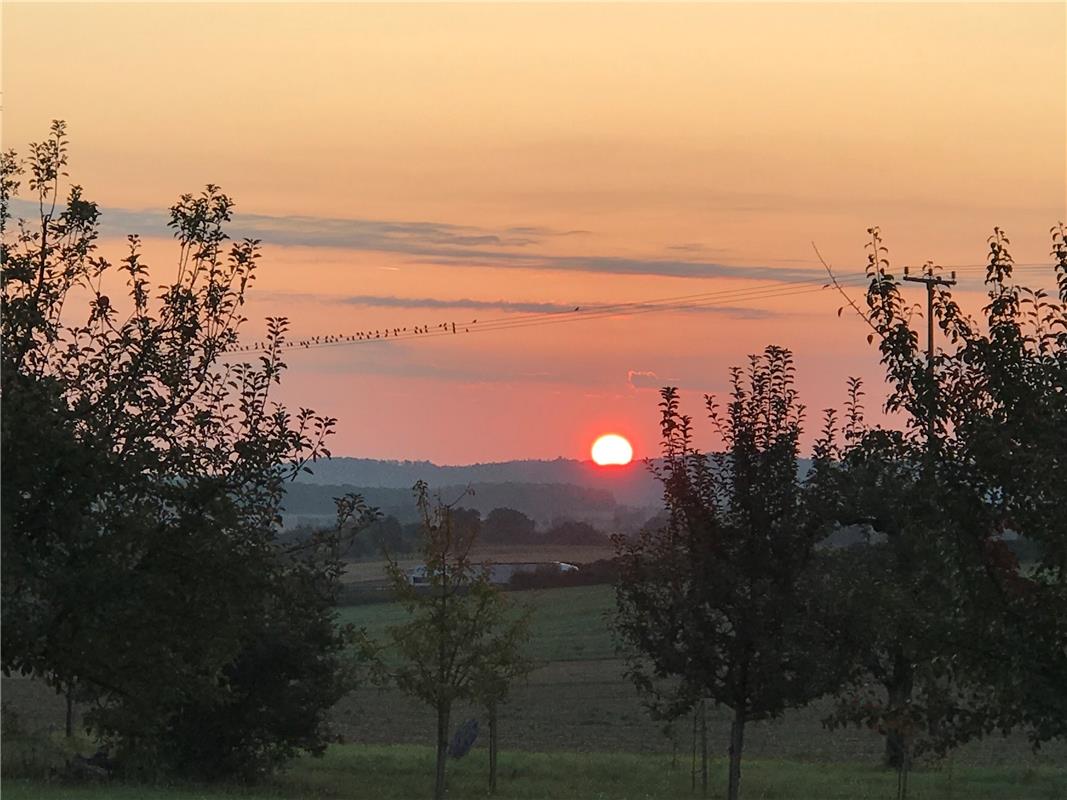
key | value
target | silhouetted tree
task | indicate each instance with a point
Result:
(142, 479)
(466, 526)
(718, 602)
(573, 532)
(960, 640)
(508, 526)
(387, 535)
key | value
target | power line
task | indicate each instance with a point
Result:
(679, 303)
(686, 302)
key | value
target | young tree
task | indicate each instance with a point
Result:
(142, 481)
(463, 641)
(718, 602)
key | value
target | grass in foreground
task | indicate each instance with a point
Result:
(400, 772)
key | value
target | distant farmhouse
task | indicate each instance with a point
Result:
(501, 574)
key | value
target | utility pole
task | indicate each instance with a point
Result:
(931, 280)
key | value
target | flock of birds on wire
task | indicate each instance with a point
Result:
(378, 334)
(361, 336)
(691, 302)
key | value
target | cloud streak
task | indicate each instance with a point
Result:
(441, 244)
(511, 306)
(643, 379)
(391, 301)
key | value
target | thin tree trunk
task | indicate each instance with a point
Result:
(70, 712)
(693, 763)
(444, 707)
(492, 748)
(898, 689)
(902, 774)
(737, 743)
(443, 712)
(703, 748)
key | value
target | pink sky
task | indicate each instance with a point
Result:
(419, 164)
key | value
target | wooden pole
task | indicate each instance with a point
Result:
(930, 280)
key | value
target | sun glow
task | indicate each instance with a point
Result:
(612, 449)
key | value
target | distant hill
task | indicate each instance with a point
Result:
(630, 485)
(617, 498)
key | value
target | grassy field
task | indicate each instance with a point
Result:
(567, 625)
(577, 699)
(400, 772)
(578, 715)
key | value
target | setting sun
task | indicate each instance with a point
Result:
(612, 449)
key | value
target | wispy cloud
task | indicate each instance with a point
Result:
(391, 301)
(442, 244)
(540, 231)
(683, 378)
(672, 268)
(643, 379)
(691, 247)
(676, 268)
(404, 236)
(511, 306)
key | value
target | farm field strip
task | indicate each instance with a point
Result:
(578, 698)
(577, 701)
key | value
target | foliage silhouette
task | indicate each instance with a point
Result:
(957, 639)
(142, 481)
(721, 602)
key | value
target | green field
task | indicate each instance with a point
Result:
(576, 729)
(400, 772)
(578, 700)
(567, 624)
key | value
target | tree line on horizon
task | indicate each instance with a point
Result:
(545, 504)
(501, 526)
(146, 573)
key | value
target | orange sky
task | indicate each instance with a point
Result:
(413, 164)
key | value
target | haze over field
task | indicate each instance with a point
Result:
(615, 498)
(417, 165)
(632, 483)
